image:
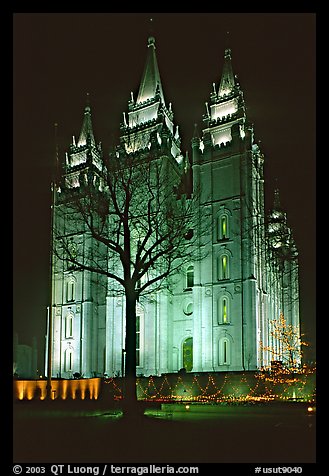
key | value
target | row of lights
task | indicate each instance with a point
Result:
(180, 391)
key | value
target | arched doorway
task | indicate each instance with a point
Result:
(188, 354)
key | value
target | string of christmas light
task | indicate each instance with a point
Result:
(202, 388)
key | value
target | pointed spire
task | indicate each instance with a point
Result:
(151, 78)
(57, 167)
(187, 164)
(277, 214)
(196, 134)
(227, 81)
(277, 202)
(87, 128)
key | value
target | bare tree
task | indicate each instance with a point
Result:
(139, 230)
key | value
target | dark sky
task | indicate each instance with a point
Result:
(59, 57)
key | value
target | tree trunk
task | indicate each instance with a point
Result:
(130, 391)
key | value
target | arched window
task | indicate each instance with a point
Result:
(223, 227)
(223, 266)
(190, 277)
(224, 351)
(69, 325)
(223, 310)
(68, 360)
(70, 290)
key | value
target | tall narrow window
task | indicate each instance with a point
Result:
(224, 351)
(223, 267)
(69, 325)
(69, 360)
(222, 227)
(223, 224)
(190, 277)
(138, 340)
(224, 311)
(70, 290)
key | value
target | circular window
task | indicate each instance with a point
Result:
(188, 310)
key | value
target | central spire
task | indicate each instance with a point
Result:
(87, 133)
(151, 82)
(227, 82)
(150, 123)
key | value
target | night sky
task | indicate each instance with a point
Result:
(59, 57)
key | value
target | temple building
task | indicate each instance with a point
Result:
(217, 315)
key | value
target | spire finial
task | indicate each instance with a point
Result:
(195, 132)
(227, 45)
(227, 82)
(277, 201)
(151, 25)
(57, 171)
(150, 84)
(87, 107)
(227, 40)
(228, 53)
(87, 128)
(151, 39)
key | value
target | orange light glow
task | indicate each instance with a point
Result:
(60, 388)
(64, 389)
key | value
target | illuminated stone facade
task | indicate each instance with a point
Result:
(218, 315)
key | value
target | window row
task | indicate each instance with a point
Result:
(187, 346)
(224, 354)
(223, 310)
(223, 270)
(223, 313)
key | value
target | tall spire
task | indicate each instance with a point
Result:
(151, 81)
(227, 81)
(277, 202)
(150, 122)
(85, 150)
(87, 128)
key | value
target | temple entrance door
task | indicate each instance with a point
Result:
(188, 354)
